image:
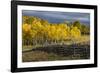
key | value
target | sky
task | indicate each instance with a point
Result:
(59, 17)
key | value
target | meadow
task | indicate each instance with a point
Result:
(44, 41)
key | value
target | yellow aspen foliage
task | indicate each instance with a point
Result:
(41, 30)
(64, 31)
(27, 32)
(51, 32)
(26, 27)
(75, 32)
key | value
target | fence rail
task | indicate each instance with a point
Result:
(65, 50)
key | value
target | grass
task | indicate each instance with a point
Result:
(83, 39)
(51, 53)
(30, 47)
(34, 56)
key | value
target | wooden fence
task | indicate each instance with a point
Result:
(74, 50)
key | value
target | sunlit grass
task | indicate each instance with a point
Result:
(84, 39)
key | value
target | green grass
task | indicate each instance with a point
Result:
(30, 47)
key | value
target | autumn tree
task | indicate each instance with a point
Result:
(85, 29)
(75, 32)
(77, 24)
(41, 31)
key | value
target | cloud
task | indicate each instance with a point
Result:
(83, 18)
(53, 15)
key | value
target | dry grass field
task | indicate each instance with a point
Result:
(30, 55)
